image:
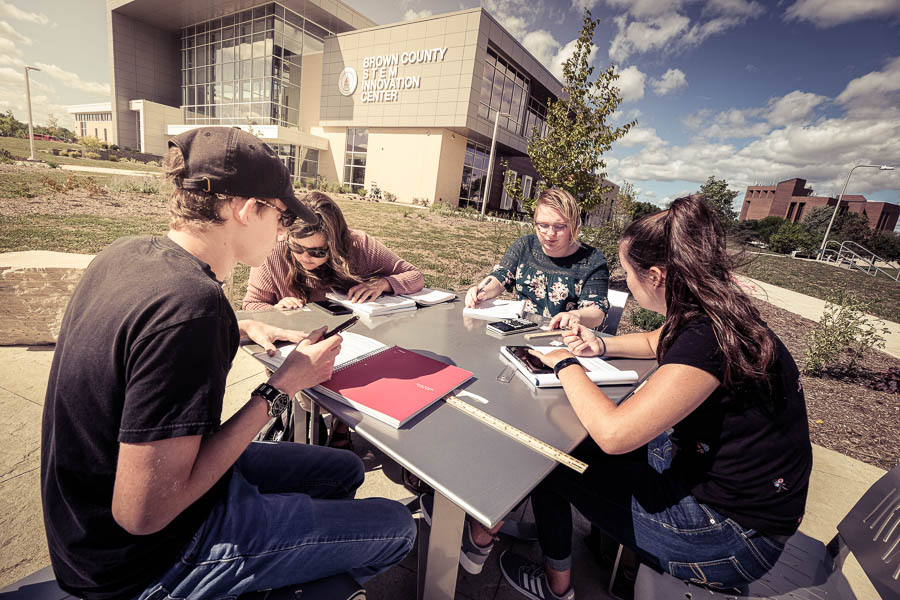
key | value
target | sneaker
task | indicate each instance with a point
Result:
(471, 556)
(529, 579)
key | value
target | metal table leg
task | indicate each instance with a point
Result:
(437, 580)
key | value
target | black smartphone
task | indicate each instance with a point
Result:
(331, 307)
(345, 325)
(532, 363)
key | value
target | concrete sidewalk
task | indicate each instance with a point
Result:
(109, 171)
(837, 483)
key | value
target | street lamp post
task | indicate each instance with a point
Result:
(487, 188)
(28, 99)
(838, 205)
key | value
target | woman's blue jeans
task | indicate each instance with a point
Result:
(637, 500)
(288, 517)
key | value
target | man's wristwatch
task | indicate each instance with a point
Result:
(275, 398)
(566, 362)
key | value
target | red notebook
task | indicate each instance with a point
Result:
(393, 384)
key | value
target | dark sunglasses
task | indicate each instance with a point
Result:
(314, 252)
(285, 217)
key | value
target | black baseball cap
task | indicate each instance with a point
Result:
(228, 160)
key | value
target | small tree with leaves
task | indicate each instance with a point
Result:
(569, 155)
(720, 199)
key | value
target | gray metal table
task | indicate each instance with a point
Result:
(473, 468)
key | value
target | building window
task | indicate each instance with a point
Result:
(503, 89)
(800, 208)
(506, 199)
(355, 158)
(790, 211)
(83, 129)
(309, 165)
(471, 189)
(526, 191)
(244, 68)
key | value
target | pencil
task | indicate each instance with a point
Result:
(543, 334)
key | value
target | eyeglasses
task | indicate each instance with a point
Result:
(546, 227)
(321, 252)
(285, 217)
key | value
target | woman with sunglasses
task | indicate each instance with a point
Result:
(315, 259)
(554, 273)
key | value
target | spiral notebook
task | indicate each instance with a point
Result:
(392, 384)
(598, 370)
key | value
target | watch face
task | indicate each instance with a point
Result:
(278, 405)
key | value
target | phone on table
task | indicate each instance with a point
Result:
(532, 363)
(339, 328)
(331, 307)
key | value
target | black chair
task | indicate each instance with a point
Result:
(809, 569)
(41, 585)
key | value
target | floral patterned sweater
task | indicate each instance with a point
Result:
(552, 285)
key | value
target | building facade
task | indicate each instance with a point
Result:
(408, 107)
(793, 200)
(93, 120)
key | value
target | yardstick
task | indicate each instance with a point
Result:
(518, 435)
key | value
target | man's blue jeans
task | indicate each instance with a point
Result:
(289, 517)
(637, 500)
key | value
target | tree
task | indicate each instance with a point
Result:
(847, 225)
(790, 237)
(885, 244)
(569, 155)
(767, 226)
(720, 199)
(639, 209)
(12, 127)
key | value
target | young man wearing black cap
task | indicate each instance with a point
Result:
(146, 495)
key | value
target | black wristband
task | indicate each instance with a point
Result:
(566, 362)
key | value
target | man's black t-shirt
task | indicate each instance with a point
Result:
(145, 345)
(745, 451)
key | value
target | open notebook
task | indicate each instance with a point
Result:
(496, 310)
(389, 383)
(380, 306)
(428, 296)
(598, 370)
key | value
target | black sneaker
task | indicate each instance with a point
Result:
(529, 579)
(471, 556)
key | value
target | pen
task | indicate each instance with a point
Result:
(345, 325)
(543, 334)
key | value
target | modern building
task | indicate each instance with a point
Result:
(408, 106)
(792, 200)
(93, 120)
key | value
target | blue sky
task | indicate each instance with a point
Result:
(747, 90)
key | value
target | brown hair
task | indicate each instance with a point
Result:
(565, 203)
(688, 241)
(338, 271)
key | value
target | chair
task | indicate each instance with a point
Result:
(807, 569)
(41, 585)
(617, 301)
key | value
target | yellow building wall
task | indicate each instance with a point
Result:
(310, 91)
(450, 166)
(331, 161)
(404, 161)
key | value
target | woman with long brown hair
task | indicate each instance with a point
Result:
(315, 259)
(704, 470)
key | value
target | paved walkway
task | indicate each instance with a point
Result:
(812, 309)
(109, 171)
(836, 484)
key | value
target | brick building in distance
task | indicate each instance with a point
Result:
(792, 200)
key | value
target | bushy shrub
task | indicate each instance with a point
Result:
(390, 196)
(92, 155)
(53, 165)
(113, 146)
(646, 319)
(790, 237)
(113, 158)
(104, 145)
(6, 157)
(421, 201)
(843, 331)
(606, 238)
(153, 163)
(768, 226)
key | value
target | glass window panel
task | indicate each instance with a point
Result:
(292, 46)
(201, 94)
(188, 76)
(312, 45)
(267, 88)
(516, 103)
(227, 92)
(245, 16)
(359, 176)
(497, 92)
(218, 54)
(200, 75)
(270, 8)
(315, 30)
(190, 30)
(245, 29)
(201, 28)
(279, 27)
(257, 90)
(228, 72)
(293, 18)
(259, 67)
(362, 140)
(491, 57)
(279, 11)
(487, 84)
(483, 111)
(191, 96)
(259, 46)
(246, 53)
(229, 20)
(215, 93)
(246, 69)
(276, 68)
(270, 23)
(359, 160)
(189, 58)
(259, 25)
(215, 36)
(245, 90)
(259, 11)
(201, 39)
(269, 44)
(507, 96)
(228, 51)
(217, 74)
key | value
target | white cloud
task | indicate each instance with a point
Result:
(542, 45)
(73, 81)
(630, 84)
(412, 15)
(829, 13)
(672, 80)
(8, 31)
(873, 90)
(648, 25)
(642, 136)
(793, 108)
(509, 13)
(10, 11)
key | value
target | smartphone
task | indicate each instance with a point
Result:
(532, 363)
(332, 308)
(345, 325)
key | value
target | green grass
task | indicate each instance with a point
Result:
(82, 234)
(19, 147)
(816, 279)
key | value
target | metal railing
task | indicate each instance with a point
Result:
(864, 262)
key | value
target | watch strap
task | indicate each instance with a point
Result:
(276, 399)
(566, 362)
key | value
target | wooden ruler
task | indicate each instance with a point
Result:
(518, 435)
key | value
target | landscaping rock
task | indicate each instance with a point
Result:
(35, 287)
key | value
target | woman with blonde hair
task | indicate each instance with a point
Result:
(317, 258)
(557, 276)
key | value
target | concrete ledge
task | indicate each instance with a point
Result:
(35, 287)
